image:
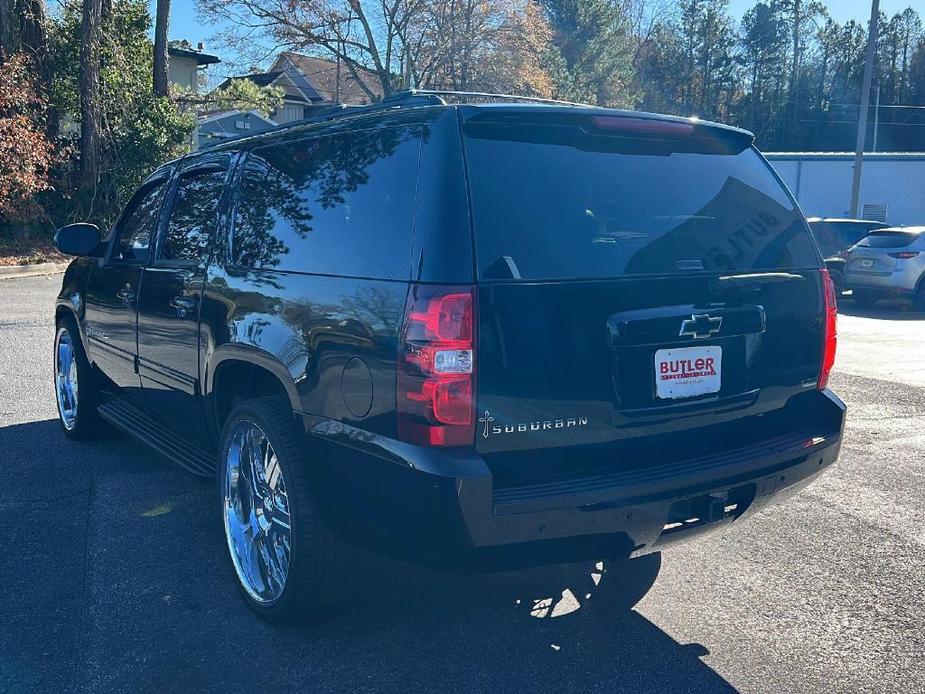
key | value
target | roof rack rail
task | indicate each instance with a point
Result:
(405, 98)
(335, 111)
(440, 96)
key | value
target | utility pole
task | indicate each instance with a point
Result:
(876, 118)
(872, 32)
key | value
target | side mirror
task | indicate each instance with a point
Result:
(78, 239)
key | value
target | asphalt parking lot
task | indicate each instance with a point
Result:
(113, 575)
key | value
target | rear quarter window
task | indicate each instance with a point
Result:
(193, 217)
(852, 233)
(337, 204)
(829, 238)
(555, 203)
(834, 237)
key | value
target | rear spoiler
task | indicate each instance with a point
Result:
(528, 122)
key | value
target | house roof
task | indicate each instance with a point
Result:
(213, 116)
(277, 78)
(182, 49)
(261, 79)
(309, 80)
(322, 74)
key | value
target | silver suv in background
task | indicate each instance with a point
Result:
(888, 262)
(835, 236)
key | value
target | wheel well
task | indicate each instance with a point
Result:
(62, 312)
(234, 380)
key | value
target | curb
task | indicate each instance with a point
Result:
(31, 270)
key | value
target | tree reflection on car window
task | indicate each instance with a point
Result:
(193, 217)
(138, 224)
(339, 204)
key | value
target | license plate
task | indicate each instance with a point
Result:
(688, 371)
(867, 262)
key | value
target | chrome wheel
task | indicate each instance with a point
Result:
(256, 513)
(66, 379)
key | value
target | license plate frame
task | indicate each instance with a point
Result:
(688, 372)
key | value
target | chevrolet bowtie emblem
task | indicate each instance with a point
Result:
(700, 325)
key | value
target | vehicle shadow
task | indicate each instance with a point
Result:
(126, 587)
(885, 309)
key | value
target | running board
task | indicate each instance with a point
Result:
(138, 424)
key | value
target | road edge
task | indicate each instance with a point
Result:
(12, 271)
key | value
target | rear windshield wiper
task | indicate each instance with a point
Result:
(758, 278)
(752, 282)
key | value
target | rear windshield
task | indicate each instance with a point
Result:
(889, 239)
(553, 202)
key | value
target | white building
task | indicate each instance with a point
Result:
(892, 184)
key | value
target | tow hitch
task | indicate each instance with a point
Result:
(697, 512)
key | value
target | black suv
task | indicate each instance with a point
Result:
(472, 334)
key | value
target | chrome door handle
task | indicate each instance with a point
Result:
(126, 294)
(183, 305)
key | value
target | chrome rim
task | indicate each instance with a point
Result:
(256, 511)
(66, 380)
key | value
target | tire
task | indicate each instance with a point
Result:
(838, 282)
(253, 515)
(77, 393)
(865, 299)
(919, 299)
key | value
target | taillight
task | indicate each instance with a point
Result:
(436, 358)
(830, 339)
(904, 255)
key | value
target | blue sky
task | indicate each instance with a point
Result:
(185, 25)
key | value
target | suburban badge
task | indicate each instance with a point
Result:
(488, 428)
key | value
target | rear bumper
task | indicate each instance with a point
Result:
(902, 280)
(424, 503)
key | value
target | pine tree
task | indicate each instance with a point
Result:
(763, 54)
(594, 40)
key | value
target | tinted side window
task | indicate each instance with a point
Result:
(852, 233)
(193, 217)
(340, 205)
(138, 224)
(828, 238)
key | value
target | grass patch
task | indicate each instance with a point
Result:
(29, 252)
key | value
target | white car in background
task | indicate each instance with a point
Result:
(888, 262)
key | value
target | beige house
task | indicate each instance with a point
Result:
(186, 64)
(310, 83)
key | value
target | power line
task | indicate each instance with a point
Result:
(911, 106)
